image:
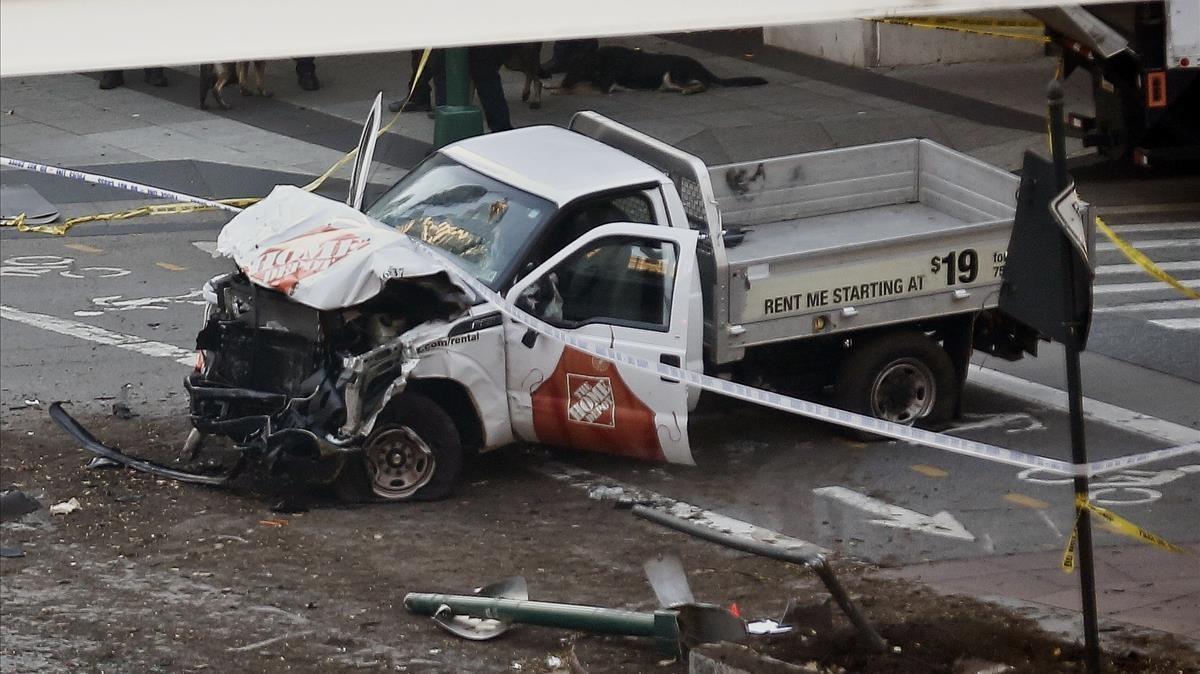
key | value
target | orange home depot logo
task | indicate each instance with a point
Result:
(576, 406)
(284, 264)
(590, 400)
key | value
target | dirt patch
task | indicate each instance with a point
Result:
(152, 575)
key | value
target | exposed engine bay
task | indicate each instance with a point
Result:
(301, 385)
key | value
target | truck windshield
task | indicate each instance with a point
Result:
(480, 221)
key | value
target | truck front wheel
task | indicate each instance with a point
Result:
(901, 377)
(414, 453)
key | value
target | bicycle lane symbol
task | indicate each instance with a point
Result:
(36, 266)
(1125, 487)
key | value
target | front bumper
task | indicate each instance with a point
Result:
(90, 443)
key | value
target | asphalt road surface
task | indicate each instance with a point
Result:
(98, 319)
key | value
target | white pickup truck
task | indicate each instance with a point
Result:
(339, 350)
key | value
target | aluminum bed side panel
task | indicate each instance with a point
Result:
(864, 286)
(964, 187)
(816, 183)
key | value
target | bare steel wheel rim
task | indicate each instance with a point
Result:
(903, 392)
(399, 463)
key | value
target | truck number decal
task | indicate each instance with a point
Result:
(960, 266)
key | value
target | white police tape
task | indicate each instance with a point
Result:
(758, 396)
(113, 182)
(807, 408)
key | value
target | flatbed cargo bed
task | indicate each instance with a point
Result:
(836, 240)
(818, 234)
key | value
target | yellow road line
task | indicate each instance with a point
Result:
(929, 471)
(1026, 501)
(170, 267)
(84, 248)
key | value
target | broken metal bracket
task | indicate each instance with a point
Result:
(812, 560)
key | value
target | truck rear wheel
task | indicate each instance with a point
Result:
(901, 377)
(414, 453)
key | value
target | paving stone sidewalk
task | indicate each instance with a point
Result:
(1135, 585)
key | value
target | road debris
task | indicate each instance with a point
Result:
(766, 627)
(101, 462)
(90, 443)
(274, 522)
(9, 552)
(15, 504)
(809, 558)
(267, 642)
(491, 611)
(65, 507)
(121, 409)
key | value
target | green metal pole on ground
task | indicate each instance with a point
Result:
(661, 624)
(457, 119)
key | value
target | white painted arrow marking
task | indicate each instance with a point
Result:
(941, 524)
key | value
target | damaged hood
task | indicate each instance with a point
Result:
(322, 253)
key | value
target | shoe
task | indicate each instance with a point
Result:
(418, 106)
(111, 79)
(308, 81)
(156, 77)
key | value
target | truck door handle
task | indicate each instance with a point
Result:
(529, 338)
(673, 361)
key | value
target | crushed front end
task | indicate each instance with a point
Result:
(298, 387)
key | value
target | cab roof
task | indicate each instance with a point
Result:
(552, 162)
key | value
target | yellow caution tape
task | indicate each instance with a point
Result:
(1131, 252)
(19, 223)
(382, 130)
(1118, 524)
(1144, 262)
(1010, 28)
(150, 209)
(178, 208)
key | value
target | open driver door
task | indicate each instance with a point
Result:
(628, 287)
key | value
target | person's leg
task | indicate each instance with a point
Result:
(437, 68)
(111, 79)
(156, 77)
(422, 93)
(306, 73)
(483, 64)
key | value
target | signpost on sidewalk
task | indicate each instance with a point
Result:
(1048, 285)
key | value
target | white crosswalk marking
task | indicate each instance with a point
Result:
(1178, 323)
(1153, 244)
(1113, 288)
(1170, 267)
(1167, 305)
(1122, 287)
(1158, 227)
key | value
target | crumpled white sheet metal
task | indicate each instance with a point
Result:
(322, 253)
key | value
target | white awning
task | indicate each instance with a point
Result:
(50, 36)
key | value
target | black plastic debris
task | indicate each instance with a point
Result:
(15, 503)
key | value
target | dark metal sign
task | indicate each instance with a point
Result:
(1048, 272)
